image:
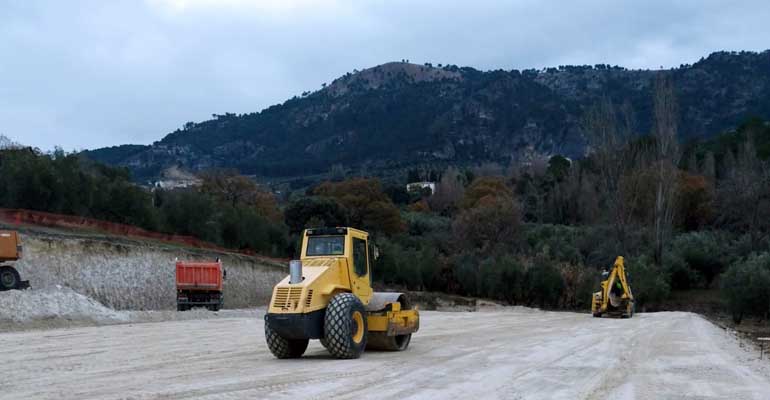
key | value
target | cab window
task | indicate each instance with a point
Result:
(359, 256)
(325, 246)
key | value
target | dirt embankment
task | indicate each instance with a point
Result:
(132, 274)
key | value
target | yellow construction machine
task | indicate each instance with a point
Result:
(615, 298)
(10, 250)
(328, 296)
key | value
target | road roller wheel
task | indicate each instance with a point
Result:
(381, 341)
(345, 329)
(282, 347)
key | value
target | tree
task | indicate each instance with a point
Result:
(494, 222)
(449, 192)
(746, 287)
(545, 284)
(234, 189)
(743, 195)
(307, 211)
(228, 186)
(485, 186)
(667, 158)
(694, 203)
(649, 282)
(367, 206)
(609, 132)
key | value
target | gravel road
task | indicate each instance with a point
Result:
(511, 353)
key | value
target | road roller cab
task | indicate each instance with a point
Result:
(328, 296)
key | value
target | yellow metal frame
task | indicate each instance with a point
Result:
(323, 277)
(601, 299)
(395, 321)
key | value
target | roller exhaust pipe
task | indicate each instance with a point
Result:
(295, 271)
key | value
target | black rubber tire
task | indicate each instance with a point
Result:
(340, 326)
(9, 278)
(324, 343)
(284, 348)
(179, 307)
(381, 341)
(597, 315)
(214, 307)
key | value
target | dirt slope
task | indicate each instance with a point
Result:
(132, 274)
(505, 354)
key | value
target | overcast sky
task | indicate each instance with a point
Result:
(87, 74)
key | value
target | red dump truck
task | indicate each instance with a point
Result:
(199, 284)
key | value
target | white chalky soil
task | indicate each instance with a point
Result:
(510, 353)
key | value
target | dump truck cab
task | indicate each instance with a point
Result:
(615, 298)
(10, 250)
(328, 296)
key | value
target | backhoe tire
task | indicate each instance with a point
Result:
(345, 329)
(9, 278)
(282, 347)
(381, 341)
(597, 315)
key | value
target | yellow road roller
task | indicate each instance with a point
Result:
(328, 296)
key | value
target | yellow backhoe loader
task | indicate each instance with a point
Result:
(328, 296)
(615, 298)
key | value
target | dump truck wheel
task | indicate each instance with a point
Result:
(381, 341)
(345, 329)
(282, 347)
(9, 278)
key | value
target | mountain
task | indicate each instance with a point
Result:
(399, 114)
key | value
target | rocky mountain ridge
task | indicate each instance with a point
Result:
(399, 114)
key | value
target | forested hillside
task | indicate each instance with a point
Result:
(399, 115)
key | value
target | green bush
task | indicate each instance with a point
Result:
(649, 283)
(417, 269)
(243, 228)
(419, 224)
(746, 287)
(587, 284)
(186, 212)
(503, 279)
(703, 252)
(467, 273)
(682, 276)
(544, 283)
(558, 241)
(313, 211)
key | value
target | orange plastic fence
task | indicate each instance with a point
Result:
(40, 218)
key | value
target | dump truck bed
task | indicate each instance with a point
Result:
(10, 247)
(198, 275)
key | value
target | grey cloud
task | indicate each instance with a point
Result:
(86, 74)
